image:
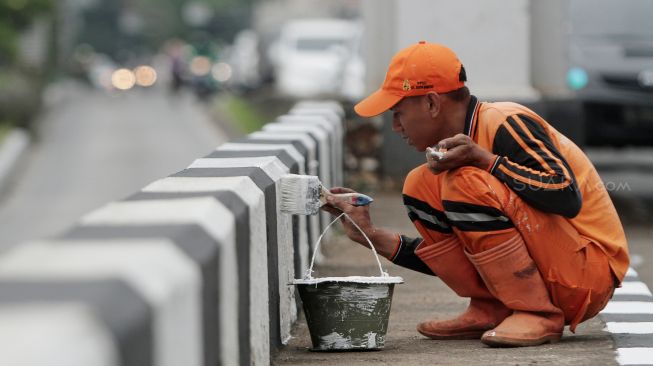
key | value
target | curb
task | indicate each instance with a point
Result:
(12, 150)
(628, 318)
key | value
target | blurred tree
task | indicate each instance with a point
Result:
(15, 16)
(129, 29)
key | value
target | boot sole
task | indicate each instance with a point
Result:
(475, 334)
(497, 341)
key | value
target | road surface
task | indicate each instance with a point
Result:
(92, 148)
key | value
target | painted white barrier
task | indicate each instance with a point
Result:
(247, 190)
(55, 334)
(163, 275)
(156, 279)
(285, 252)
(309, 235)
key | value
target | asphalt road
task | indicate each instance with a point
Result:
(92, 147)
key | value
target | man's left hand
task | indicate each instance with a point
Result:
(461, 150)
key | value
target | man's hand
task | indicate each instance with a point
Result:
(461, 150)
(359, 214)
(385, 242)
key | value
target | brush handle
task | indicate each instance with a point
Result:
(355, 199)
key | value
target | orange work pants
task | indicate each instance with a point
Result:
(483, 213)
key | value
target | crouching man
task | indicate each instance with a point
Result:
(512, 215)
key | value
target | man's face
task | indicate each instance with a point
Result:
(412, 119)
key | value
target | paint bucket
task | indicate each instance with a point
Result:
(347, 313)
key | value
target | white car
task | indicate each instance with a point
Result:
(314, 56)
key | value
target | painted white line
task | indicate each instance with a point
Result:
(628, 307)
(635, 356)
(633, 288)
(629, 328)
(631, 272)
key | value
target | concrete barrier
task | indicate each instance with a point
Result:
(194, 269)
(323, 155)
(312, 165)
(334, 114)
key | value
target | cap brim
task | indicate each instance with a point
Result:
(377, 103)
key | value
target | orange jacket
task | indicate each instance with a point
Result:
(551, 173)
(548, 171)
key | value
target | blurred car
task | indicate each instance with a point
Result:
(243, 59)
(611, 54)
(312, 57)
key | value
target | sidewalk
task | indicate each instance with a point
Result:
(422, 297)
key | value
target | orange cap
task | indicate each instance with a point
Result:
(415, 70)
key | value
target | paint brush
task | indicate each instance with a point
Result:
(305, 194)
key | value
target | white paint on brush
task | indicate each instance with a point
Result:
(628, 307)
(300, 194)
(55, 334)
(635, 356)
(629, 327)
(633, 288)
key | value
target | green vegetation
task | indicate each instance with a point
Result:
(244, 115)
(16, 15)
(138, 28)
(20, 83)
(5, 127)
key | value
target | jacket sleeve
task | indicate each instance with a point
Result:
(530, 164)
(405, 255)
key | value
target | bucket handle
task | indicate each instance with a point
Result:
(309, 271)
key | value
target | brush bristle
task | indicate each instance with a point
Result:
(300, 194)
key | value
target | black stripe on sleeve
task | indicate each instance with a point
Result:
(559, 174)
(565, 201)
(407, 258)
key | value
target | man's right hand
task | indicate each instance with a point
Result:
(359, 214)
(384, 241)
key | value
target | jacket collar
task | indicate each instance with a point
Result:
(471, 117)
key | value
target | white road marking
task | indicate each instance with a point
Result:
(631, 272)
(628, 307)
(629, 328)
(633, 288)
(635, 356)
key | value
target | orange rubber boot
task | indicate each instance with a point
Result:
(512, 276)
(448, 261)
